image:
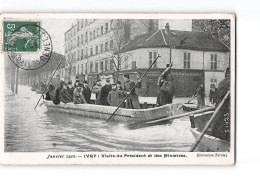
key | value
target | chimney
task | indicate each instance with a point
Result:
(167, 28)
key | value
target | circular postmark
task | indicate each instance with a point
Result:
(29, 47)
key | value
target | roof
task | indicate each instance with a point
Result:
(179, 39)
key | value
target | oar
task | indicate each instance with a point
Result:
(48, 83)
(132, 89)
(210, 122)
(187, 101)
(143, 124)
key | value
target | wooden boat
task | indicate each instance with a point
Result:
(122, 115)
(189, 107)
(208, 143)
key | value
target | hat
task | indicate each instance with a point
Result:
(108, 80)
(77, 81)
(65, 84)
(85, 82)
(70, 83)
(118, 82)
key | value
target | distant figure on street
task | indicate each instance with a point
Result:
(132, 101)
(97, 90)
(104, 92)
(51, 94)
(200, 96)
(165, 86)
(87, 92)
(115, 96)
(78, 97)
(64, 94)
(212, 92)
(221, 125)
(70, 89)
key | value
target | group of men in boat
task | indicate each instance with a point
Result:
(114, 94)
(108, 95)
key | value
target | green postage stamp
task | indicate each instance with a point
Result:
(21, 36)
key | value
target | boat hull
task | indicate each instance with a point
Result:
(208, 143)
(122, 115)
(189, 107)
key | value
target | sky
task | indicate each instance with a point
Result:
(56, 29)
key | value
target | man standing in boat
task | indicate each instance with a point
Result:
(87, 92)
(97, 90)
(64, 94)
(221, 125)
(104, 92)
(165, 86)
(132, 101)
(200, 96)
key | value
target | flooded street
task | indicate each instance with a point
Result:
(29, 130)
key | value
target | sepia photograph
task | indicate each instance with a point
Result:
(118, 88)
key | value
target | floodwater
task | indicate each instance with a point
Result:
(29, 130)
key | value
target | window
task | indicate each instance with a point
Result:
(78, 55)
(111, 64)
(101, 48)
(96, 49)
(126, 63)
(81, 38)
(213, 62)
(91, 66)
(94, 34)
(152, 57)
(106, 28)
(97, 32)
(86, 68)
(78, 26)
(102, 30)
(106, 46)
(111, 44)
(78, 70)
(81, 23)
(96, 66)
(101, 65)
(86, 52)
(91, 51)
(111, 24)
(106, 65)
(81, 68)
(78, 41)
(86, 22)
(187, 60)
(86, 39)
(90, 35)
(81, 54)
(134, 65)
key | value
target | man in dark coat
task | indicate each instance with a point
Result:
(64, 94)
(104, 92)
(70, 89)
(200, 96)
(132, 101)
(221, 125)
(165, 86)
(57, 95)
(115, 96)
(87, 92)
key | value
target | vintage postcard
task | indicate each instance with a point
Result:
(117, 89)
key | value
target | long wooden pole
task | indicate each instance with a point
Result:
(48, 83)
(210, 122)
(132, 89)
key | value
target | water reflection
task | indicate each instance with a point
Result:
(28, 130)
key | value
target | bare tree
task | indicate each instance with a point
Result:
(220, 28)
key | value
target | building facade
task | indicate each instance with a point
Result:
(108, 48)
